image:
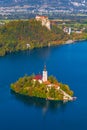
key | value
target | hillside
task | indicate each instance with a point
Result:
(23, 35)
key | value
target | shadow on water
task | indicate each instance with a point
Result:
(39, 102)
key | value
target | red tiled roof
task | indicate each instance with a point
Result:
(38, 77)
(47, 82)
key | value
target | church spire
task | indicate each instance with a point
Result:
(44, 77)
(44, 67)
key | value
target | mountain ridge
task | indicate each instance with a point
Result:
(53, 8)
(64, 3)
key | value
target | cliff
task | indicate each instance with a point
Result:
(44, 21)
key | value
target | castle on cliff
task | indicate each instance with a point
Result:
(44, 20)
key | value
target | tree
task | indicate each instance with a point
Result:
(52, 79)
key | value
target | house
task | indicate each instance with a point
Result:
(67, 30)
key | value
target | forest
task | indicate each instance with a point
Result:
(28, 34)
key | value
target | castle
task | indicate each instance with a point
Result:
(44, 20)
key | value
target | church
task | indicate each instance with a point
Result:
(42, 78)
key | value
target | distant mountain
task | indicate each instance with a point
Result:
(25, 8)
(18, 2)
(64, 3)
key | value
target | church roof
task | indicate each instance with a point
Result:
(38, 77)
(47, 82)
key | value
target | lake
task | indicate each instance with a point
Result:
(68, 63)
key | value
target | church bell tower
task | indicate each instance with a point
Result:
(44, 78)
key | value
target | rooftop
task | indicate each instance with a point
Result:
(38, 77)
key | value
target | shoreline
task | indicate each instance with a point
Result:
(68, 42)
(46, 99)
(73, 41)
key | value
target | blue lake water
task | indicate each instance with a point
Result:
(68, 63)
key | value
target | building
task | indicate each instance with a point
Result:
(78, 32)
(38, 78)
(43, 77)
(44, 20)
(67, 30)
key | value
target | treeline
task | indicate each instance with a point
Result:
(28, 34)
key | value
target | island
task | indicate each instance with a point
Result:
(42, 86)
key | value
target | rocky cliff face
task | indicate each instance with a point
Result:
(44, 20)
